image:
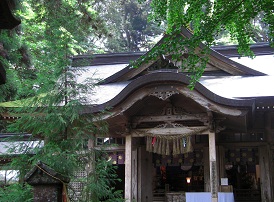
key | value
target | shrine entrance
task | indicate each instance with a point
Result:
(180, 173)
(171, 142)
(178, 179)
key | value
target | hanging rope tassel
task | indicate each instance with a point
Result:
(175, 144)
(174, 147)
(163, 147)
(149, 145)
(159, 146)
(153, 141)
(155, 146)
(167, 147)
(178, 151)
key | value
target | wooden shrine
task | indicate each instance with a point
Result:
(170, 141)
(167, 133)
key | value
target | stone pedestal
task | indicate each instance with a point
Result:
(48, 185)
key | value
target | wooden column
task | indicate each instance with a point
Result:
(266, 161)
(90, 164)
(128, 171)
(213, 167)
(266, 173)
(145, 174)
(134, 174)
(206, 170)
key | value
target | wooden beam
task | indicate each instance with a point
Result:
(167, 131)
(208, 104)
(179, 117)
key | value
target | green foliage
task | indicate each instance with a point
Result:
(104, 178)
(16, 193)
(130, 28)
(51, 33)
(207, 19)
(56, 119)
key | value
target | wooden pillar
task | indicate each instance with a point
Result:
(144, 175)
(134, 174)
(128, 169)
(266, 162)
(206, 170)
(213, 167)
(90, 164)
(265, 173)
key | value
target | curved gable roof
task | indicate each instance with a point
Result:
(170, 78)
(216, 61)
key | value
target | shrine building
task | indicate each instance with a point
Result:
(175, 144)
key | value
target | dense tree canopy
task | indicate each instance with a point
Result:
(128, 21)
(207, 19)
(38, 63)
(51, 32)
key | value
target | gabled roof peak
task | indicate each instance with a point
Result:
(217, 63)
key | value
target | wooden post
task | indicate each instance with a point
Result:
(213, 167)
(266, 162)
(90, 164)
(144, 175)
(206, 170)
(265, 173)
(128, 166)
(134, 173)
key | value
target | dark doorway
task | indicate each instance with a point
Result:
(120, 171)
(245, 182)
(178, 179)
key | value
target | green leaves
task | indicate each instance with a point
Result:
(206, 19)
(16, 193)
(52, 32)
(130, 28)
(101, 189)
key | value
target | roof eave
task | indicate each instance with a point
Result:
(168, 77)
